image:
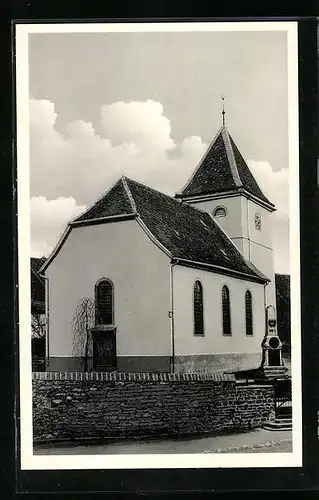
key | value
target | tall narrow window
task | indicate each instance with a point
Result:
(248, 313)
(226, 311)
(198, 309)
(104, 303)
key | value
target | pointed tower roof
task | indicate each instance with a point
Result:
(223, 169)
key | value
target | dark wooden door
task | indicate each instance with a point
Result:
(104, 352)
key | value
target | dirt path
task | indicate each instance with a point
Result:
(257, 441)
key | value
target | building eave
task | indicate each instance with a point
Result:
(102, 220)
(226, 194)
(219, 270)
(55, 251)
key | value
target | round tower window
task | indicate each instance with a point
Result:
(220, 212)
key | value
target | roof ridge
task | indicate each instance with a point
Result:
(231, 158)
(250, 189)
(178, 202)
(202, 159)
(87, 209)
(129, 194)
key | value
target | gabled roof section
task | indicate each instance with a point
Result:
(115, 202)
(188, 233)
(184, 233)
(222, 168)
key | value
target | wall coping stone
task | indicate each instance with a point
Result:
(255, 386)
(134, 377)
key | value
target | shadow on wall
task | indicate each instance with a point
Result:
(283, 307)
(286, 355)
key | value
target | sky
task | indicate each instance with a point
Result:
(147, 105)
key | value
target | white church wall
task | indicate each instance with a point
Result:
(264, 236)
(261, 247)
(122, 252)
(215, 351)
(239, 225)
(262, 258)
(233, 221)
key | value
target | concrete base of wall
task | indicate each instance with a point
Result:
(216, 363)
(144, 364)
(128, 364)
(66, 364)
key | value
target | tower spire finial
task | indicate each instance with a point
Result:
(223, 112)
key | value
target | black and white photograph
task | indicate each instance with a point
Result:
(158, 245)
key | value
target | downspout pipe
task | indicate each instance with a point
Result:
(47, 344)
(265, 325)
(172, 264)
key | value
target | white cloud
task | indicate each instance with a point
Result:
(48, 220)
(275, 186)
(135, 142)
(140, 123)
(71, 170)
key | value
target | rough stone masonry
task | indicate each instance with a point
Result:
(75, 406)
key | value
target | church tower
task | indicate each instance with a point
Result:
(223, 186)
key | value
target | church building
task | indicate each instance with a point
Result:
(143, 281)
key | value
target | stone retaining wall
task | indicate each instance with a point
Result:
(75, 406)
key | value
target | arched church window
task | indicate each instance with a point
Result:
(104, 302)
(248, 313)
(198, 308)
(226, 311)
(220, 212)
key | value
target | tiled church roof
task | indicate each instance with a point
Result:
(184, 231)
(222, 169)
(116, 202)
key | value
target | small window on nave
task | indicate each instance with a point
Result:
(198, 308)
(226, 311)
(104, 307)
(249, 313)
(220, 212)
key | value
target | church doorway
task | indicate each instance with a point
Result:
(104, 351)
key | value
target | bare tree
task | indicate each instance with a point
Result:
(38, 326)
(82, 321)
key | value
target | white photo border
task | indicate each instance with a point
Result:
(29, 461)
